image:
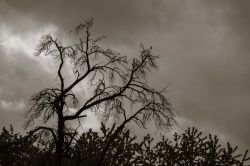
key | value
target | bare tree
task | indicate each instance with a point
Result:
(115, 81)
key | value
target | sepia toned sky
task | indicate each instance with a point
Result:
(204, 47)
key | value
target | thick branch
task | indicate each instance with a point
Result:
(78, 80)
(61, 65)
(30, 134)
(85, 107)
(44, 128)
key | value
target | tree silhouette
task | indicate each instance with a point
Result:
(192, 148)
(188, 148)
(115, 82)
(15, 151)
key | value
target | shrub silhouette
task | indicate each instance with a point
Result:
(189, 148)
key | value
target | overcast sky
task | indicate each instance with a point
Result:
(204, 47)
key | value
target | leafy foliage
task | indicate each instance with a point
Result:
(189, 148)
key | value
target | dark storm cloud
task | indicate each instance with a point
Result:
(238, 18)
(115, 18)
(211, 68)
(204, 47)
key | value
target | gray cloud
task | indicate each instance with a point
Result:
(20, 77)
(203, 47)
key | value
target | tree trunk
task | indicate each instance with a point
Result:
(60, 141)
